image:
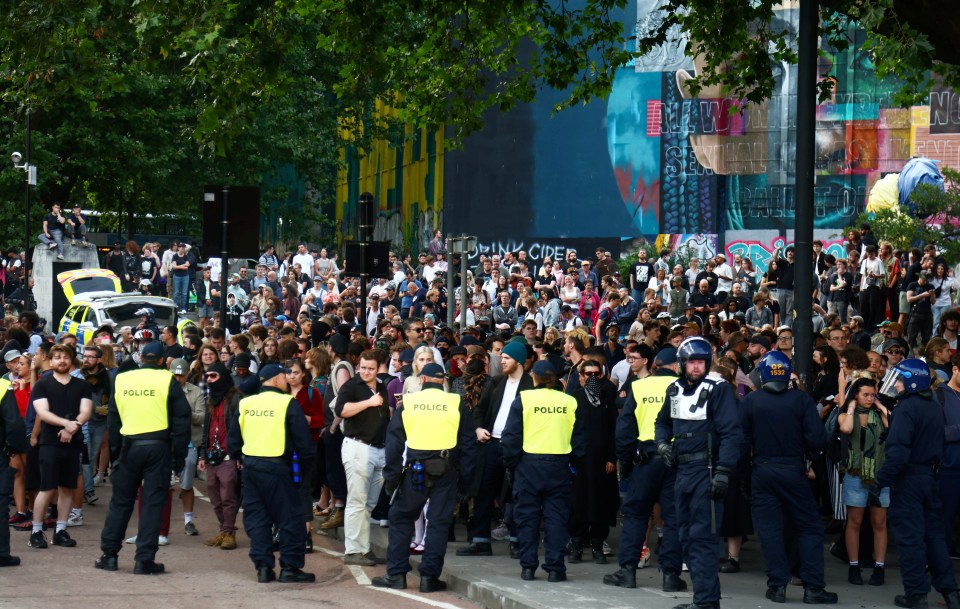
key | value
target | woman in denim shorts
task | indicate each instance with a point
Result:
(864, 419)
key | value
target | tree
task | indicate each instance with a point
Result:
(933, 221)
(114, 129)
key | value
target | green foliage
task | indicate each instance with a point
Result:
(113, 127)
(935, 221)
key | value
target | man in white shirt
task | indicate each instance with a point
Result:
(305, 260)
(725, 276)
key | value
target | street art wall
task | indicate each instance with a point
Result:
(406, 178)
(653, 160)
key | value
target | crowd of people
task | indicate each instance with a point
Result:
(666, 367)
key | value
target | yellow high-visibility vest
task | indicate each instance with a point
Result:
(431, 419)
(4, 385)
(548, 417)
(649, 393)
(141, 397)
(262, 418)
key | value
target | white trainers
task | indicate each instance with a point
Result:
(59, 256)
(53, 246)
(130, 539)
(75, 520)
(164, 540)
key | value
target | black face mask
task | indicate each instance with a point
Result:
(189, 354)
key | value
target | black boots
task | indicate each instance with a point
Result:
(596, 547)
(818, 596)
(912, 601)
(854, 577)
(476, 549)
(673, 583)
(626, 577)
(576, 552)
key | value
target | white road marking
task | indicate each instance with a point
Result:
(359, 575)
(330, 552)
(420, 599)
(660, 592)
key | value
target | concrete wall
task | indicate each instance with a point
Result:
(43, 274)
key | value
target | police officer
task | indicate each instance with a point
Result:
(13, 435)
(436, 429)
(542, 433)
(913, 451)
(698, 431)
(650, 482)
(149, 420)
(270, 433)
(786, 434)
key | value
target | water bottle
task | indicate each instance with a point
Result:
(417, 469)
(295, 467)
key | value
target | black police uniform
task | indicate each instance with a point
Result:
(270, 496)
(13, 435)
(542, 483)
(912, 453)
(784, 431)
(650, 482)
(144, 458)
(415, 487)
(703, 421)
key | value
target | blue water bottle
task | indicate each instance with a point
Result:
(417, 469)
(295, 467)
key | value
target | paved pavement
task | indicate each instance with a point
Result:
(211, 578)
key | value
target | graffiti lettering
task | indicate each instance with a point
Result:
(760, 253)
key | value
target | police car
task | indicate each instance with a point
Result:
(96, 299)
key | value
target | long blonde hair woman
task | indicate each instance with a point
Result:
(421, 357)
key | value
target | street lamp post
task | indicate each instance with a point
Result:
(31, 171)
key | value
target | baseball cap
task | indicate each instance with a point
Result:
(894, 342)
(271, 370)
(761, 340)
(11, 355)
(544, 368)
(152, 350)
(665, 357)
(432, 371)
(179, 366)
(406, 356)
(242, 360)
(391, 285)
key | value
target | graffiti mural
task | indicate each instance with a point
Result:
(759, 246)
(406, 178)
(538, 249)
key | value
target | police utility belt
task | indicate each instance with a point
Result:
(426, 472)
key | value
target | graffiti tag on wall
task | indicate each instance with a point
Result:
(761, 252)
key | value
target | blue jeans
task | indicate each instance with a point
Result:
(181, 291)
(93, 432)
(56, 237)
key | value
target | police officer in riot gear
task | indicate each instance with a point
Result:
(271, 435)
(436, 430)
(13, 441)
(913, 451)
(542, 435)
(149, 421)
(698, 431)
(651, 482)
(785, 434)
